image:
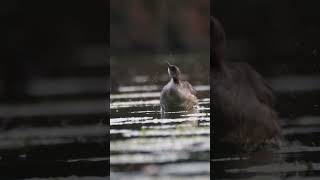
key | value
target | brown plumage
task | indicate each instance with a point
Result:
(177, 95)
(242, 100)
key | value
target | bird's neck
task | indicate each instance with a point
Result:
(217, 63)
(218, 43)
(175, 80)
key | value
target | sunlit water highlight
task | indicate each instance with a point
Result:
(144, 146)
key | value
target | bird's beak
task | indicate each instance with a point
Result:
(168, 64)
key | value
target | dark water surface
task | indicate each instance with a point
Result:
(59, 132)
(144, 146)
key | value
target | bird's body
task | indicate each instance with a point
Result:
(177, 95)
(242, 100)
(244, 104)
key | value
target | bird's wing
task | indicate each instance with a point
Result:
(189, 86)
(262, 88)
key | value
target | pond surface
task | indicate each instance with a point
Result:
(58, 133)
(144, 146)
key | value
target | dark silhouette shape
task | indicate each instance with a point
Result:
(177, 95)
(242, 100)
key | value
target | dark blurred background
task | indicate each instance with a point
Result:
(142, 26)
(54, 88)
(265, 32)
(51, 39)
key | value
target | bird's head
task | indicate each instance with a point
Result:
(173, 71)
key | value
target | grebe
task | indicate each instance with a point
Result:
(242, 100)
(177, 95)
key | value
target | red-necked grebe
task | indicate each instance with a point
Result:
(177, 95)
(243, 101)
